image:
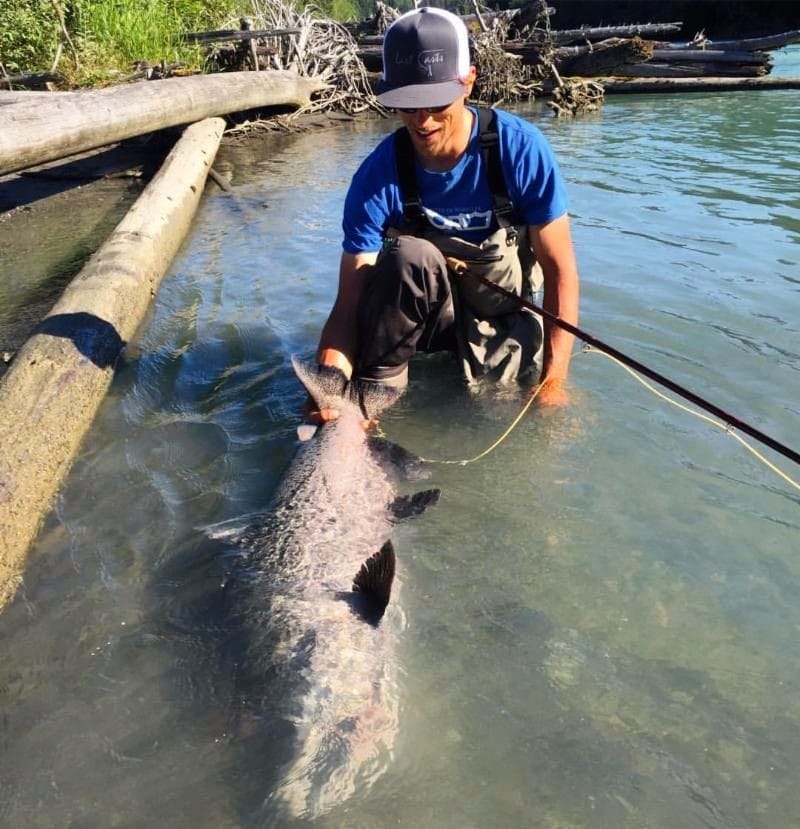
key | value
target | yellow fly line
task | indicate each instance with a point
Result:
(499, 440)
(590, 350)
(716, 423)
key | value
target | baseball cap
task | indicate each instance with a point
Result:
(425, 52)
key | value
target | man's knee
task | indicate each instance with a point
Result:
(409, 258)
(407, 306)
(416, 251)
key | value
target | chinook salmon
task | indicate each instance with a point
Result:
(321, 568)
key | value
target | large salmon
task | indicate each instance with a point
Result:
(320, 572)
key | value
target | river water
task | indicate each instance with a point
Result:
(601, 617)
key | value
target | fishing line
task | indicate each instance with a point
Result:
(726, 422)
(497, 442)
(589, 339)
(587, 349)
(716, 423)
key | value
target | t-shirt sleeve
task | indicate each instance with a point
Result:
(370, 200)
(535, 183)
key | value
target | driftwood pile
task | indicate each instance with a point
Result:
(620, 51)
(519, 56)
(632, 58)
(514, 52)
(278, 36)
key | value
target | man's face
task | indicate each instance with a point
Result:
(439, 138)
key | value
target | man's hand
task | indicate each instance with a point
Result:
(552, 393)
(318, 416)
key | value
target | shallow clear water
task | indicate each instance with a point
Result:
(601, 623)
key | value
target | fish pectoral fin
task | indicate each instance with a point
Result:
(397, 461)
(409, 506)
(374, 580)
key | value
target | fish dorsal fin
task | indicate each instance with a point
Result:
(374, 580)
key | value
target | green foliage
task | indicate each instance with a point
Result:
(111, 35)
(344, 10)
(119, 32)
(107, 34)
(339, 9)
(28, 34)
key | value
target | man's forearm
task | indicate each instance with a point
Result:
(561, 300)
(338, 343)
(552, 244)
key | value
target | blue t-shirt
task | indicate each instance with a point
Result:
(457, 202)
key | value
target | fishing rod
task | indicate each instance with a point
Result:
(460, 268)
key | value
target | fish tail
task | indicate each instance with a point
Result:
(335, 761)
(329, 388)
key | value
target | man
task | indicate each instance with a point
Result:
(399, 288)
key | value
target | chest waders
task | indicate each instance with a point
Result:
(496, 339)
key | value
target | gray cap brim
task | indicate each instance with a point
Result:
(420, 96)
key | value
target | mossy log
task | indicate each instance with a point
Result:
(66, 125)
(57, 381)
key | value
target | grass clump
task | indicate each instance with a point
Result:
(96, 41)
(101, 38)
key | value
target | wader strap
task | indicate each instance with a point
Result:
(414, 216)
(490, 147)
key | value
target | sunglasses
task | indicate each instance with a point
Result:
(415, 110)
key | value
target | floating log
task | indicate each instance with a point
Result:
(636, 85)
(653, 69)
(711, 56)
(697, 63)
(752, 44)
(51, 392)
(564, 36)
(612, 56)
(62, 126)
